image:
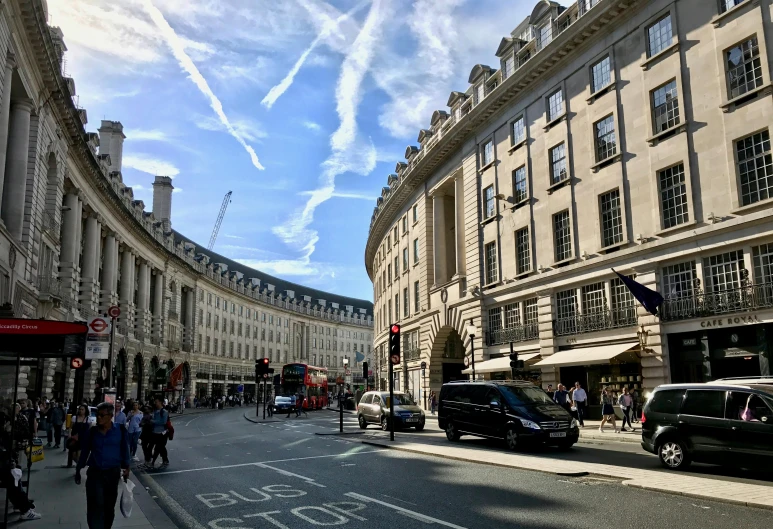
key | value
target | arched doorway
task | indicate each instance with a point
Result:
(137, 378)
(120, 375)
(453, 358)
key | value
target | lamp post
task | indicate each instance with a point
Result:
(643, 335)
(472, 331)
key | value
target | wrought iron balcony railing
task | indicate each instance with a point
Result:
(49, 287)
(411, 354)
(596, 321)
(519, 333)
(700, 304)
(50, 225)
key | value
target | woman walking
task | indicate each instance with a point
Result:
(80, 427)
(134, 429)
(607, 410)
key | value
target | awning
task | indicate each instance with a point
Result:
(497, 364)
(587, 355)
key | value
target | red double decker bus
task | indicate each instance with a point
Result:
(309, 380)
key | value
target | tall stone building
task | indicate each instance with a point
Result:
(74, 241)
(623, 134)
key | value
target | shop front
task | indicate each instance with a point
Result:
(498, 368)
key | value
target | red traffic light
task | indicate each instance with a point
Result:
(395, 328)
(265, 361)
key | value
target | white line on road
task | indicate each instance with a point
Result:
(413, 514)
(310, 481)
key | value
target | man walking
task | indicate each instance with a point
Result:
(105, 450)
(160, 418)
(57, 420)
(561, 397)
(580, 399)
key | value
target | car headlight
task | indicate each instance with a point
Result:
(530, 424)
(575, 424)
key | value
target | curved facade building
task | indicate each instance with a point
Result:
(611, 134)
(75, 241)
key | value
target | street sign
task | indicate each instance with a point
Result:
(466, 361)
(240, 388)
(395, 359)
(114, 311)
(76, 363)
(98, 339)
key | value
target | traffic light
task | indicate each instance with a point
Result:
(261, 367)
(365, 370)
(514, 362)
(394, 344)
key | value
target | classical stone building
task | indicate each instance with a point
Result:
(74, 241)
(631, 135)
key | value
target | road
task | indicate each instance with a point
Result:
(227, 473)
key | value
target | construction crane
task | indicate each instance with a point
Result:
(219, 221)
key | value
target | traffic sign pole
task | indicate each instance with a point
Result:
(113, 312)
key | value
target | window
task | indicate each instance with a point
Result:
(704, 403)
(545, 35)
(488, 202)
(594, 299)
(601, 74)
(415, 213)
(209, 319)
(389, 273)
(397, 267)
(480, 93)
(397, 306)
(512, 315)
(406, 303)
(214, 343)
(416, 301)
(558, 161)
(763, 263)
(566, 304)
(623, 307)
(225, 305)
(738, 402)
(519, 185)
(509, 67)
(755, 167)
(555, 105)
(239, 350)
(405, 259)
(606, 142)
(522, 257)
(722, 272)
(207, 348)
(744, 70)
(673, 196)
(727, 5)
(667, 401)
(394, 233)
(415, 251)
(665, 107)
(659, 35)
(488, 152)
(389, 243)
(611, 219)
(495, 319)
(232, 326)
(490, 254)
(562, 236)
(519, 130)
(405, 224)
(239, 332)
(530, 313)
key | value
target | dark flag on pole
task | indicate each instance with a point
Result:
(650, 299)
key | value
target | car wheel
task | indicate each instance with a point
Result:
(672, 454)
(451, 432)
(363, 422)
(419, 427)
(384, 424)
(511, 439)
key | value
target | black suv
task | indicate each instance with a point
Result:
(517, 412)
(728, 422)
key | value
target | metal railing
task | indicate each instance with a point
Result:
(519, 333)
(50, 225)
(49, 286)
(700, 304)
(412, 353)
(596, 321)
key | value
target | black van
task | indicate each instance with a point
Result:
(517, 412)
(728, 422)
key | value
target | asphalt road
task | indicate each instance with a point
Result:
(227, 473)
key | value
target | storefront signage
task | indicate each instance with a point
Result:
(736, 352)
(45, 327)
(687, 342)
(98, 339)
(730, 321)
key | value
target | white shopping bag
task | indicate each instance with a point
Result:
(127, 498)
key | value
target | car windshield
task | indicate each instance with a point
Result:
(401, 399)
(282, 399)
(524, 395)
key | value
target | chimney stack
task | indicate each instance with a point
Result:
(111, 138)
(162, 201)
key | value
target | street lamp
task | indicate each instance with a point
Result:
(472, 331)
(643, 335)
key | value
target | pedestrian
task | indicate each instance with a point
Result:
(626, 402)
(299, 404)
(134, 429)
(57, 420)
(607, 410)
(120, 416)
(550, 391)
(16, 427)
(160, 418)
(146, 435)
(26, 409)
(270, 405)
(43, 413)
(78, 429)
(634, 405)
(432, 401)
(580, 401)
(105, 450)
(561, 397)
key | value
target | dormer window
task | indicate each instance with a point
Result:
(508, 67)
(458, 113)
(480, 93)
(545, 35)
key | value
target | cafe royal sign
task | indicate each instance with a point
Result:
(730, 321)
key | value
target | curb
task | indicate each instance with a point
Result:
(339, 433)
(258, 421)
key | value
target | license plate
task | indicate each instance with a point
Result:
(412, 420)
(557, 434)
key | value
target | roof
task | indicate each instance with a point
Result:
(280, 285)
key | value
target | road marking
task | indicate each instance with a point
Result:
(310, 481)
(195, 418)
(413, 514)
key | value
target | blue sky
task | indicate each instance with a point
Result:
(300, 107)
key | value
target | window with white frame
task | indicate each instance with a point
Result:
(562, 236)
(763, 264)
(673, 196)
(416, 299)
(488, 152)
(405, 259)
(489, 207)
(611, 218)
(490, 255)
(744, 68)
(555, 104)
(495, 319)
(397, 267)
(665, 107)
(659, 36)
(509, 66)
(530, 312)
(415, 210)
(755, 167)
(415, 251)
(480, 93)
(558, 163)
(566, 304)
(723, 272)
(545, 35)
(518, 133)
(406, 303)
(606, 141)
(601, 74)
(594, 299)
(522, 254)
(520, 192)
(512, 315)
(623, 306)
(726, 5)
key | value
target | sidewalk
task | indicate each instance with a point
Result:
(62, 503)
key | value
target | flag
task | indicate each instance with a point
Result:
(176, 376)
(359, 356)
(650, 299)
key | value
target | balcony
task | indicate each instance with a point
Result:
(50, 225)
(412, 353)
(519, 333)
(699, 304)
(49, 288)
(173, 316)
(624, 316)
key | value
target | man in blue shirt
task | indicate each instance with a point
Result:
(105, 450)
(120, 416)
(160, 418)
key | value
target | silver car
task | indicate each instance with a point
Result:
(374, 409)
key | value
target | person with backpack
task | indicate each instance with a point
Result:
(105, 451)
(160, 434)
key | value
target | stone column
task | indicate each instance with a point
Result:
(547, 341)
(143, 320)
(158, 306)
(189, 318)
(127, 289)
(15, 187)
(439, 239)
(109, 272)
(655, 361)
(461, 267)
(68, 260)
(91, 259)
(5, 112)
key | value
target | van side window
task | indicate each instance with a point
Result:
(743, 406)
(705, 403)
(477, 395)
(667, 401)
(492, 395)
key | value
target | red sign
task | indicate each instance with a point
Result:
(114, 311)
(98, 325)
(21, 326)
(76, 363)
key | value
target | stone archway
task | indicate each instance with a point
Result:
(446, 360)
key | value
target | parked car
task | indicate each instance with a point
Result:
(374, 409)
(728, 422)
(284, 404)
(517, 412)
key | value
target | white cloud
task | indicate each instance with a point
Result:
(246, 128)
(177, 190)
(344, 194)
(146, 135)
(178, 50)
(313, 126)
(228, 236)
(149, 164)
